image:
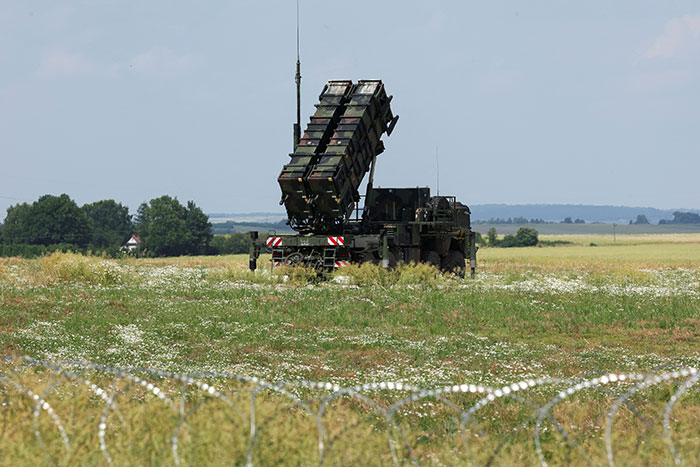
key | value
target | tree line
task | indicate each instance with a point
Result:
(164, 226)
(678, 218)
(682, 218)
(524, 220)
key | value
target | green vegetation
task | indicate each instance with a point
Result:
(641, 220)
(571, 311)
(48, 221)
(110, 224)
(525, 236)
(233, 244)
(682, 218)
(56, 223)
(167, 228)
(230, 227)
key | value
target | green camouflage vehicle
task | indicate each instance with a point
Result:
(320, 191)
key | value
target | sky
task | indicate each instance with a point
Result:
(563, 102)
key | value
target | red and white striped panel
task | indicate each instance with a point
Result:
(341, 263)
(277, 264)
(273, 241)
(336, 241)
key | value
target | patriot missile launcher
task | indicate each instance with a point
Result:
(320, 191)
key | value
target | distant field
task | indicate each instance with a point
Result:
(630, 251)
(627, 239)
(565, 312)
(591, 229)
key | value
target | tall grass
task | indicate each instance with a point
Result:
(75, 268)
(411, 275)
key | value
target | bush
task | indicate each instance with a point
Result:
(35, 251)
(525, 236)
(509, 241)
(554, 242)
(232, 244)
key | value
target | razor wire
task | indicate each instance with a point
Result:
(384, 400)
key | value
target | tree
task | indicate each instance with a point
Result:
(641, 219)
(682, 218)
(14, 229)
(526, 236)
(48, 221)
(199, 229)
(167, 228)
(685, 218)
(111, 223)
(492, 236)
(57, 219)
(567, 221)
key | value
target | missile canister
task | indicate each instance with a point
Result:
(320, 184)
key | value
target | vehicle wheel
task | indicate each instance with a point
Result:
(430, 257)
(454, 263)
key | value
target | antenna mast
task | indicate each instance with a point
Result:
(297, 79)
(437, 166)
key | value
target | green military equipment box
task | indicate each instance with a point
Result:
(320, 191)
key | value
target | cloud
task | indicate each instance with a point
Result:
(160, 60)
(680, 36)
(58, 62)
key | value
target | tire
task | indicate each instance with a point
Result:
(454, 263)
(430, 257)
(368, 257)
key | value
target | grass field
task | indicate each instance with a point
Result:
(573, 311)
(593, 229)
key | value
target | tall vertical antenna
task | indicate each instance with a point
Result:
(297, 79)
(437, 169)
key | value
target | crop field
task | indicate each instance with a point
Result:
(197, 360)
(599, 230)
